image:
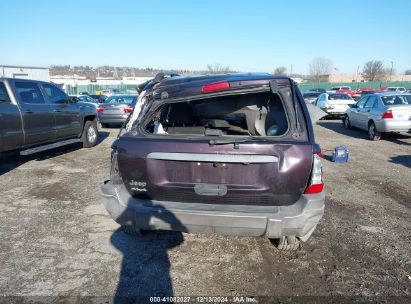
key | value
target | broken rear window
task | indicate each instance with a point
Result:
(253, 114)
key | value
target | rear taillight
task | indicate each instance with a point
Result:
(218, 86)
(100, 110)
(128, 109)
(316, 182)
(387, 115)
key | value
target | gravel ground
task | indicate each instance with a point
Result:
(58, 240)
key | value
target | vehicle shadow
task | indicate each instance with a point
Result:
(145, 268)
(12, 160)
(398, 138)
(102, 136)
(338, 127)
(404, 160)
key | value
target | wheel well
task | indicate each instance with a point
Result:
(371, 121)
(89, 118)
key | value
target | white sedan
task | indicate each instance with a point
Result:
(334, 104)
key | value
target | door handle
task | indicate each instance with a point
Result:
(56, 111)
(28, 112)
(368, 110)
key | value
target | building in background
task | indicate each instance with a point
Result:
(74, 84)
(25, 72)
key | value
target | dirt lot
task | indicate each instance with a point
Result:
(57, 239)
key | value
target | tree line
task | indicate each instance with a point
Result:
(320, 68)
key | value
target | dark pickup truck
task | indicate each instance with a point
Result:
(36, 116)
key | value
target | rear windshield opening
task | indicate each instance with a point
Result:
(257, 114)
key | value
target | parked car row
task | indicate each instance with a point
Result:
(355, 94)
(379, 111)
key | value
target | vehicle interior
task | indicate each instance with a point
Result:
(257, 114)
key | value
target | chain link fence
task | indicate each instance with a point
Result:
(93, 88)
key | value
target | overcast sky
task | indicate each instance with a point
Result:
(245, 35)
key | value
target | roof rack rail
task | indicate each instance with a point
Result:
(160, 76)
(157, 79)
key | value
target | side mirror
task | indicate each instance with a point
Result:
(73, 99)
(354, 105)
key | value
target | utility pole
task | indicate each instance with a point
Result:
(392, 64)
(291, 71)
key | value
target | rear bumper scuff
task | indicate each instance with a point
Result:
(299, 219)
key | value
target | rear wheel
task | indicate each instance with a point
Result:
(373, 134)
(90, 134)
(288, 243)
(346, 122)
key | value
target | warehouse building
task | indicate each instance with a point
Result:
(25, 72)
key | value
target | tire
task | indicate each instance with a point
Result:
(131, 230)
(288, 243)
(346, 122)
(373, 134)
(90, 134)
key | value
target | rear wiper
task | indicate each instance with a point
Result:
(227, 141)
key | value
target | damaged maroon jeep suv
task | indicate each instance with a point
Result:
(229, 154)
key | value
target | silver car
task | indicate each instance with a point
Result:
(380, 113)
(116, 109)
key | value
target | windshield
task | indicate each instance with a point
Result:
(86, 98)
(131, 100)
(339, 96)
(396, 100)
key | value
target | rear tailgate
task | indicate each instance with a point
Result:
(257, 173)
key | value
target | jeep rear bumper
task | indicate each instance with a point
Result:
(299, 219)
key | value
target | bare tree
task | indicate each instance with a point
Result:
(217, 68)
(320, 68)
(374, 71)
(280, 71)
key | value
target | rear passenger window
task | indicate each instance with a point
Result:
(371, 103)
(4, 96)
(54, 94)
(29, 92)
(361, 102)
